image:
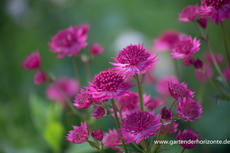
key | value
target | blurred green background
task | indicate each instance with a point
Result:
(32, 124)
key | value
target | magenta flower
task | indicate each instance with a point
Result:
(153, 103)
(32, 61)
(218, 57)
(187, 135)
(68, 86)
(189, 13)
(109, 84)
(162, 85)
(198, 63)
(172, 130)
(179, 90)
(203, 22)
(185, 47)
(39, 77)
(133, 59)
(200, 75)
(166, 41)
(112, 139)
(226, 73)
(188, 109)
(166, 114)
(140, 125)
(97, 135)
(96, 49)
(69, 41)
(188, 61)
(98, 112)
(79, 134)
(218, 10)
(83, 100)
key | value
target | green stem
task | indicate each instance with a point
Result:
(118, 125)
(139, 92)
(183, 150)
(198, 28)
(120, 112)
(224, 40)
(200, 92)
(147, 145)
(77, 70)
(172, 103)
(176, 68)
(134, 144)
(158, 135)
(101, 151)
(87, 71)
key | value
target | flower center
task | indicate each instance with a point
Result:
(184, 47)
(217, 4)
(179, 90)
(113, 140)
(189, 108)
(85, 98)
(80, 134)
(132, 55)
(108, 80)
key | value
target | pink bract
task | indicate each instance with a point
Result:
(173, 128)
(198, 63)
(133, 59)
(32, 61)
(96, 49)
(189, 13)
(97, 135)
(79, 134)
(69, 41)
(98, 112)
(203, 22)
(140, 125)
(39, 77)
(68, 86)
(187, 135)
(185, 47)
(166, 40)
(112, 139)
(177, 89)
(188, 109)
(83, 100)
(166, 113)
(200, 75)
(218, 57)
(226, 73)
(188, 61)
(108, 84)
(218, 10)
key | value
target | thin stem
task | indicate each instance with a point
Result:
(139, 92)
(134, 144)
(158, 135)
(101, 151)
(76, 70)
(119, 109)
(200, 92)
(198, 28)
(183, 150)
(172, 103)
(87, 71)
(224, 40)
(147, 145)
(118, 125)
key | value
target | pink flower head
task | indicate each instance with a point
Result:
(68, 86)
(112, 139)
(173, 128)
(133, 59)
(188, 109)
(188, 61)
(109, 84)
(83, 100)
(226, 73)
(203, 22)
(166, 41)
(179, 90)
(97, 135)
(198, 63)
(200, 75)
(69, 41)
(79, 134)
(218, 57)
(39, 77)
(166, 114)
(96, 49)
(140, 125)
(32, 61)
(189, 13)
(187, 135)
(98, 112)
(162, 85)
(185, 47)
(218, 10)
(153, 103)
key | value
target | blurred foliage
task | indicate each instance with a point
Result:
(33, 125)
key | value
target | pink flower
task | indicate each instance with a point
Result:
(153, 103)
(96, 49)
(133, 59)
(226, 73)
(179, 90)
(197, 63)
(68, 86)
(189, 13)
(109, 84)
(203, 22)
(218, 10)
(200, 75)
(166, 41)
(185, 47)
(39, 77)
(218, 57)
(32, 61)
(98, 112)
(188, 109)
(69, 41)
(166, 114)
(112, 139)
(162, 85)
(79, 134)
(187, 135)
(188, 61)
(173, 128)
(97, 135)
(140, 125)
(83, 100)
